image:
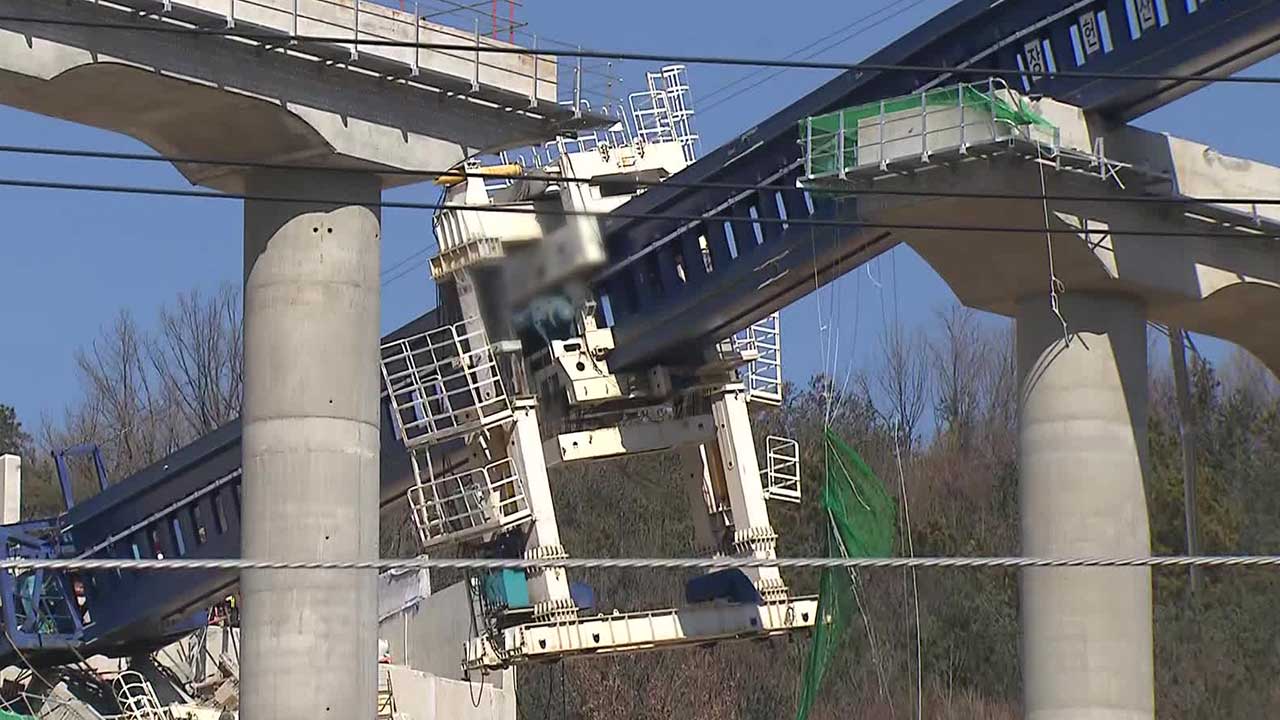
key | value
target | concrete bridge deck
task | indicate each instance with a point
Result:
(344, 104)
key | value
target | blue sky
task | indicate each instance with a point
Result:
(72, 261)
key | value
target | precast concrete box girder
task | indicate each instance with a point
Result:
(1173, 258)
(223, 98)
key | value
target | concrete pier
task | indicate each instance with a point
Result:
(311, 444)
(1086, 632)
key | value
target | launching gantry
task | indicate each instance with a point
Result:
(518, 381)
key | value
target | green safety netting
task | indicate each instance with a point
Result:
(863, 517)
(6, 715)
(821, 134)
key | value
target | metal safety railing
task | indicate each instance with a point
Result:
(664, 112)
(913, 127)
(370, 20)
(763, 375)
(443, 383)
(500, 15)
(473, 504)
(137, 699)
(782, 469)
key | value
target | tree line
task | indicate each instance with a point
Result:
(143, 393)
(935, 415)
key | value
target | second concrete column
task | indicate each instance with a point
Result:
(1086, 632)
(310, 445)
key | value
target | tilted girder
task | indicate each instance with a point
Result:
(758, 267)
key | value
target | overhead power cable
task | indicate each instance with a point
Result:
(409, 264)
(415, 255)
(428, 562)
(619, 180)
(843, 34)
(844, 31)
(1245, 233)
(277, 39)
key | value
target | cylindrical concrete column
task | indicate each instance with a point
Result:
(310, 446)
(1086, 632)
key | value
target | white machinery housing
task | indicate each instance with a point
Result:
(521, 380)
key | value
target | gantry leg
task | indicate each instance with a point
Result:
(548, 587)
(734, 465)
(704, 506)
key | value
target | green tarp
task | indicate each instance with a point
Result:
(862, 519)
(822, 134)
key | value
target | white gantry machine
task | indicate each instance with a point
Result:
(517, 381)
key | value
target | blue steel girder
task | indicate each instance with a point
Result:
(667, 294)
(652, 286)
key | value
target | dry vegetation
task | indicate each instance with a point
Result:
(948, 395)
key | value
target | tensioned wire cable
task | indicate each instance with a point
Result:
(623, 179)
(842, 34)
(1245, 233)
(276, 38)
(418, 563)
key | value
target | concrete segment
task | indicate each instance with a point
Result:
(1082, 440)
(311, 444)
(417, 695)
(432, 636)
(1212, 285)
(214, 97)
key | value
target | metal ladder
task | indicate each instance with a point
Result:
(137, 699)
(386, 697)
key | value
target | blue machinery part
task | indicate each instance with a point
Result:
(507, 590)
(39, 608)
(731, 585)
(188, 504)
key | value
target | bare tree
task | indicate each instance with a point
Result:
(196, 354)
(123, 405)
(957, 354)
(147, 394)
(1244, 372)
(998, 375)
(903, 382)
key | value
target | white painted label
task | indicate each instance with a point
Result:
(1147, 13)
(1035, 58)
(1089, 33)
